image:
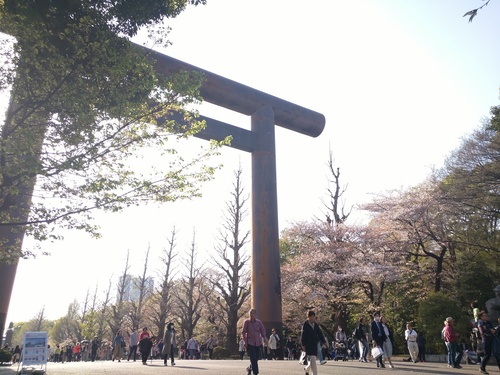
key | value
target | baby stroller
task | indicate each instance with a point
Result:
(472, 357)
(341, 351)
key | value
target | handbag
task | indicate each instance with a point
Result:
(377, 352)
(303, 358)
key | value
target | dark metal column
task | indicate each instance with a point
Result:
(266, 276)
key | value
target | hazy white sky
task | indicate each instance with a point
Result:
(399, 82)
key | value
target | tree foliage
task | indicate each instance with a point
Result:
(84, 104)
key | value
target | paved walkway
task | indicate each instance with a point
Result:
(235, 367)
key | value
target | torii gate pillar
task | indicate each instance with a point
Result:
(266, 276)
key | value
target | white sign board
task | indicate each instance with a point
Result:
(35, 348)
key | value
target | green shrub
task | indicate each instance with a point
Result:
(432, 312)
(220, 353)
(5, 356)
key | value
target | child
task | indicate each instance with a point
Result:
(475, 312)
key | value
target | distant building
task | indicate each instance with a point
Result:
(133, 285)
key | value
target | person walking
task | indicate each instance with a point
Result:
(134, 341)
(411, 339)
(241, 348)
(452, 343)
(290, 348)
(378, 337)
(69, 353)
(387, 347)
(118, 345)
(145, 346)
(310, 336)
(16, 355)
(203, 350)
(159, 348)
(253, 333)
(321, 358)
(76, 352)
(57, 353)
(360, 335)
(495, 351)
(487, 335)
(274, 343)
(94, 345)
(192, 346)
(210, 344)
(421, 341)
(169, 344)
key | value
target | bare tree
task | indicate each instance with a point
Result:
(189, 293)
(162, 299)
(142, 284)
(90, 315)
(102, 317)
(334, 206)
(118, 309)
(231, 276)
(39, 320)
(473, 13)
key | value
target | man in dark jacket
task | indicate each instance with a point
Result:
(487, 335)
(378, 336)
(145, 346)
(310, 337)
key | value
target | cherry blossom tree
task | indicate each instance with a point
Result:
(333, 268)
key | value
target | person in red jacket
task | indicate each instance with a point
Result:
(76, 352)
(452, 343)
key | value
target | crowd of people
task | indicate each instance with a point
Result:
(375, 340)
(130, 346)
(372, 341)
(149, 346)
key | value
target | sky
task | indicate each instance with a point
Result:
(399, 82)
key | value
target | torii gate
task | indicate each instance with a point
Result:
(265, 111)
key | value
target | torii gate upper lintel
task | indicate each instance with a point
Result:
(266, 111)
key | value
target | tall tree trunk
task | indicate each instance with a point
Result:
(20, 149)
